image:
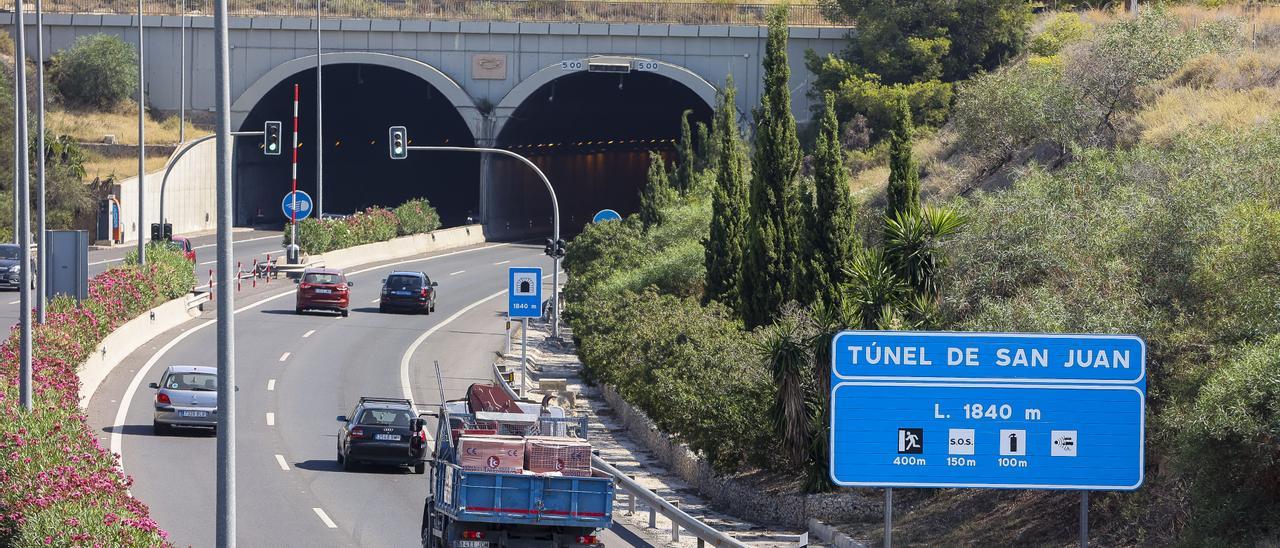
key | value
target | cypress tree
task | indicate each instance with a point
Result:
(657, 192)
(767, 277)
(726, 244)
(704, 146)
(834, 242)
(684, 169)
(904, 177)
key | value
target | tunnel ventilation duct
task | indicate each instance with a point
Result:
(609, 64)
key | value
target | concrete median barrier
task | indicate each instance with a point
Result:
(405, 246)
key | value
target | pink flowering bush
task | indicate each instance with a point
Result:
(374, 224)
(58, 486)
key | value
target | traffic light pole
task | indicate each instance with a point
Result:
(555, 212)
(182, 151)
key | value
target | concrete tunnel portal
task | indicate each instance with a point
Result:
(589, 132)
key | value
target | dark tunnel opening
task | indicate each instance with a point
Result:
(591, 134)
(361, 103)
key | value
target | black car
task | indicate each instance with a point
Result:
(382, 431)
(10, 266)
(412, 291)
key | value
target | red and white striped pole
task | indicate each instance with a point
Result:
(293, 206)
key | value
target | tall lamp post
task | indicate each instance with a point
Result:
(22, 192)
(319, 119)
(142, 148)
(42, 258)
(225, 508)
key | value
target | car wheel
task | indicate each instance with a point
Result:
(433, 306)
(382, 309)
(159, 429)
(345, 312)
(297, 310)
(420, 468)
(341, 460)
(347, 464)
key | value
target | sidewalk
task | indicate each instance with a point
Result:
(550, 361)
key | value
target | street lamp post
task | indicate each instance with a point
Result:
(41, 257)
(22, 192)
(319, 119)
(142, 148)
(225, 508)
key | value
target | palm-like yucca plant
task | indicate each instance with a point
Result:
(786, 346)
(873, 287)
(912, 243)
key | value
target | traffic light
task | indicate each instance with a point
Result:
(156, 234)
(561, 248)
(550, 248)
(166, 231)
(398, 141)
(271, 145)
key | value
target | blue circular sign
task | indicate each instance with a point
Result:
(303, 205)
(606, 215)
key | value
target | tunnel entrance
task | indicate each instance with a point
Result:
(591, 134)
(361, 102)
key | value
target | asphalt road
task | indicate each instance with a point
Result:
(249, 244)
(296, 374)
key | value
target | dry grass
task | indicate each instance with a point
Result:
(1182, 109)
(1259, 25)
(90, 127)
(98, 166)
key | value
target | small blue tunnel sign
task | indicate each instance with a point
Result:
(524, 292)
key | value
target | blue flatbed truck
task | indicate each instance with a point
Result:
(473, 509)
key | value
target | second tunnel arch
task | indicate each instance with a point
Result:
(591, 131)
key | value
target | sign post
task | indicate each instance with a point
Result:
(524, 301)
(988, 410)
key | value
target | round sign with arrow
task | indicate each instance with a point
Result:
(303, 205)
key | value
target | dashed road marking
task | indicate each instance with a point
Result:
(308, 334)
(376, 301)
(284, 356)
(283, 465)
(271, 385)
(209, 262)
(271, 419)
(500, 263)
(456, 273)
(325, 518)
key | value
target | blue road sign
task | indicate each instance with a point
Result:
(606, 215)
(524, 292)
(987, 410)
(304, 205)
(1022, 436)
(1009, 357)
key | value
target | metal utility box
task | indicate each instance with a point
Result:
(68, 264)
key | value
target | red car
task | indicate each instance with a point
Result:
(184, 245)
(324, 289)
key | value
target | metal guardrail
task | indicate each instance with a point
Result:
(615, 11)
(679, 519)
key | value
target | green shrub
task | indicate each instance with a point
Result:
(99, 70)
(1231, 450)
(1065, 28)
(416, 217)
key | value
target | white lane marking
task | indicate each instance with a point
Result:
(233, 242)
(117, 435)
(15, 302)
(271, 419)
(308, 334)
(106, 261)
(325, 518)
(285, 356)
(283, 465)
(405, 386)
(456, 273)
(271, 385)
(501, 263)
(209, 262)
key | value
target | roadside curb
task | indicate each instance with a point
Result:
(130, 336)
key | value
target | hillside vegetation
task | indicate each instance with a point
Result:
(1116, 175)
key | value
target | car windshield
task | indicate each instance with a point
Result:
(385, 417)
(9, 252)
(176, 245)
(192, 381)
(317, 278)
(401, 283)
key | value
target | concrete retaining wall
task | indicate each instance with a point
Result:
(190, 196)
(406, 246)
(127, 338)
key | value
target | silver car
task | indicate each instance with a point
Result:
(186, 396)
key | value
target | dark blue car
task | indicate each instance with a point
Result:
(409, 291)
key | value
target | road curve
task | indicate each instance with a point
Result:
(296, 374)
